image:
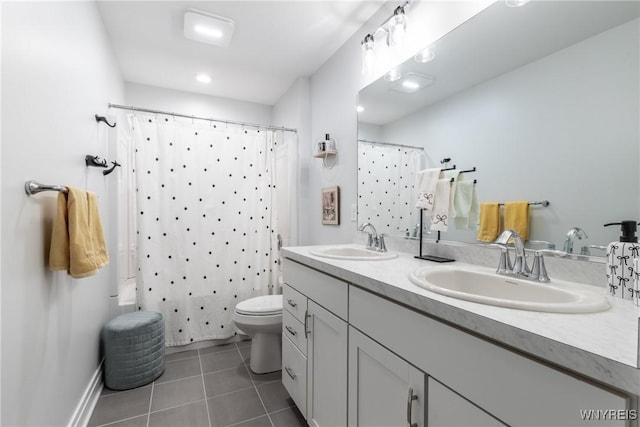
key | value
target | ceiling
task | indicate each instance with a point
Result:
(274, 43)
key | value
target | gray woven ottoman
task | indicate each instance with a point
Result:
(133, 349)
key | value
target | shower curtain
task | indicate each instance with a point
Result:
(386, 179)
(206, 219)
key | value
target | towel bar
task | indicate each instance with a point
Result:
(543, 203)
(34, 187)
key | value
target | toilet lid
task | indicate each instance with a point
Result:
(261, 306)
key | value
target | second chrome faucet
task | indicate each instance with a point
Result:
(375, 242)
(519, 267)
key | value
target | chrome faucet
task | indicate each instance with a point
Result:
(571, 236)
(375, 242)
(519, 267)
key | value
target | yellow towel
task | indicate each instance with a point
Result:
(516, 217)
(77, 240)
(489, 222)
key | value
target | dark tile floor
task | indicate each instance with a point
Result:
(210, 387)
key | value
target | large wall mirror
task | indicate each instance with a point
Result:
(543, 100)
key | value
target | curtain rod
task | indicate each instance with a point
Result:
(232, 122)
(391, 144)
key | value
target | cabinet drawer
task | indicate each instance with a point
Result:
(327, 291)
(294, 374)
(294, 302)
(511, 387)
(293, 329)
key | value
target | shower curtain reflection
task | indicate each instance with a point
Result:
(386, 180)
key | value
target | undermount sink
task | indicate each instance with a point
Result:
(353, 253)
(490, 288)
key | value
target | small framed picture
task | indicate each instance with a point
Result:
(331, 205)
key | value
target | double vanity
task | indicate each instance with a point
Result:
(386, 339)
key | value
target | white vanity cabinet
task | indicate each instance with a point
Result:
(489, 381)
(314, 345)
(353, 357)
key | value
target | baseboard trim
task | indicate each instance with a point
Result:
(89, 399)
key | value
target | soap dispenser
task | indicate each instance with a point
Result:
(620, 256)
(329, 143)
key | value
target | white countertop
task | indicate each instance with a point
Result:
(602, 346)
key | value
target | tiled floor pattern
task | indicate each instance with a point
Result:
(210, 387)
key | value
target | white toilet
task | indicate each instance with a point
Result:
(261, 319)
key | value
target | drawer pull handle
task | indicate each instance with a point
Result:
(306, 323)
(290, 372)
(291, 303)
(290, 330)
(410, 400)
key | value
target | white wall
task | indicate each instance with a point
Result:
(196, 104)
(293, 110)
(547, 131)
(57, 72)
(334, 89)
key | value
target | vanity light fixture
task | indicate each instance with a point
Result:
(516, 3)
(395, 29)
(208, 28)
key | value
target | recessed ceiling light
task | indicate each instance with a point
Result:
(208, 31)
(412, 82)
(203, 78)
(207, 28)
(359, 108)
(411, 85)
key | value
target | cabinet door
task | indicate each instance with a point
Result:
(447, 409)
(384, 390)
(326, 368)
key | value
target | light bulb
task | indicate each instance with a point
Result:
(367, 54)
(359, 108)
(397, 27)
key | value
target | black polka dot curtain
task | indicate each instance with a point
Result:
(205, 223)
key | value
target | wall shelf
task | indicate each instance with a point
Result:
(325, 153)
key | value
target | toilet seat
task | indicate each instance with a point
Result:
(267, 305)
